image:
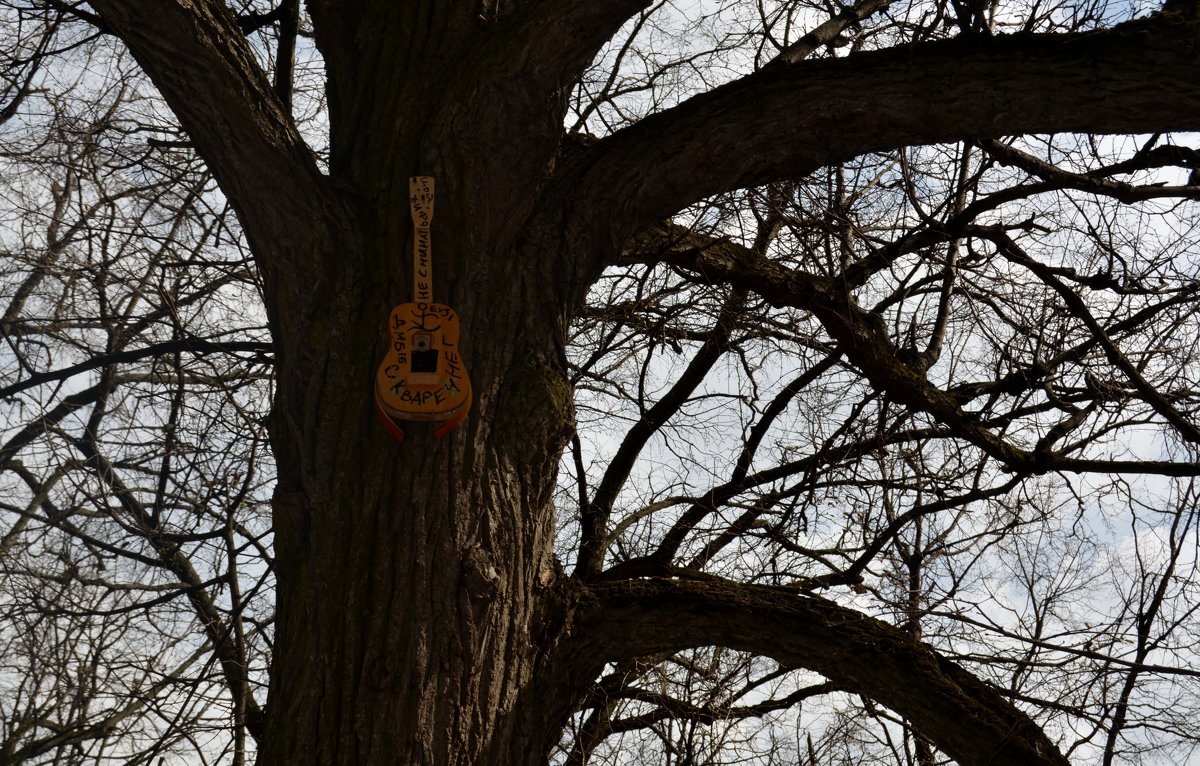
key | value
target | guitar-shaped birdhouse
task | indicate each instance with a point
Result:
(422, 377)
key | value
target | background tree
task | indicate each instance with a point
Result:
(835, 377)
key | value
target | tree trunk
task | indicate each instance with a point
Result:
(408, 573)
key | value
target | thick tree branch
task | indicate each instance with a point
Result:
(201, 63)
(964, 717)
(787, 120)
(285, 55)
(553, 41)
(526, 64)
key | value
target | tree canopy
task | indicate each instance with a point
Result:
(836, 371)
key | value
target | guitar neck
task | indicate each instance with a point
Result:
(420, 194)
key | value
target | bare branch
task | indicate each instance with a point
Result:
(197, 346)
(239, 126)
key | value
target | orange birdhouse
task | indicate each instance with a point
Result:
(422, 377)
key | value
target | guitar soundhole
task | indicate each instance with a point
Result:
(424, 355)
(425, 361)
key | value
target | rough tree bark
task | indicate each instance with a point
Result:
(421, 617)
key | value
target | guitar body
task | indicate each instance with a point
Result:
(422, 377)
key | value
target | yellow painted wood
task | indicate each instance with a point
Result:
(422, 377)
(420, 197)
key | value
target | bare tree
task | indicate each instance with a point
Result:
(136, 588)
(834, 368)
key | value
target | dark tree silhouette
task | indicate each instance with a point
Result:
(837, 349)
